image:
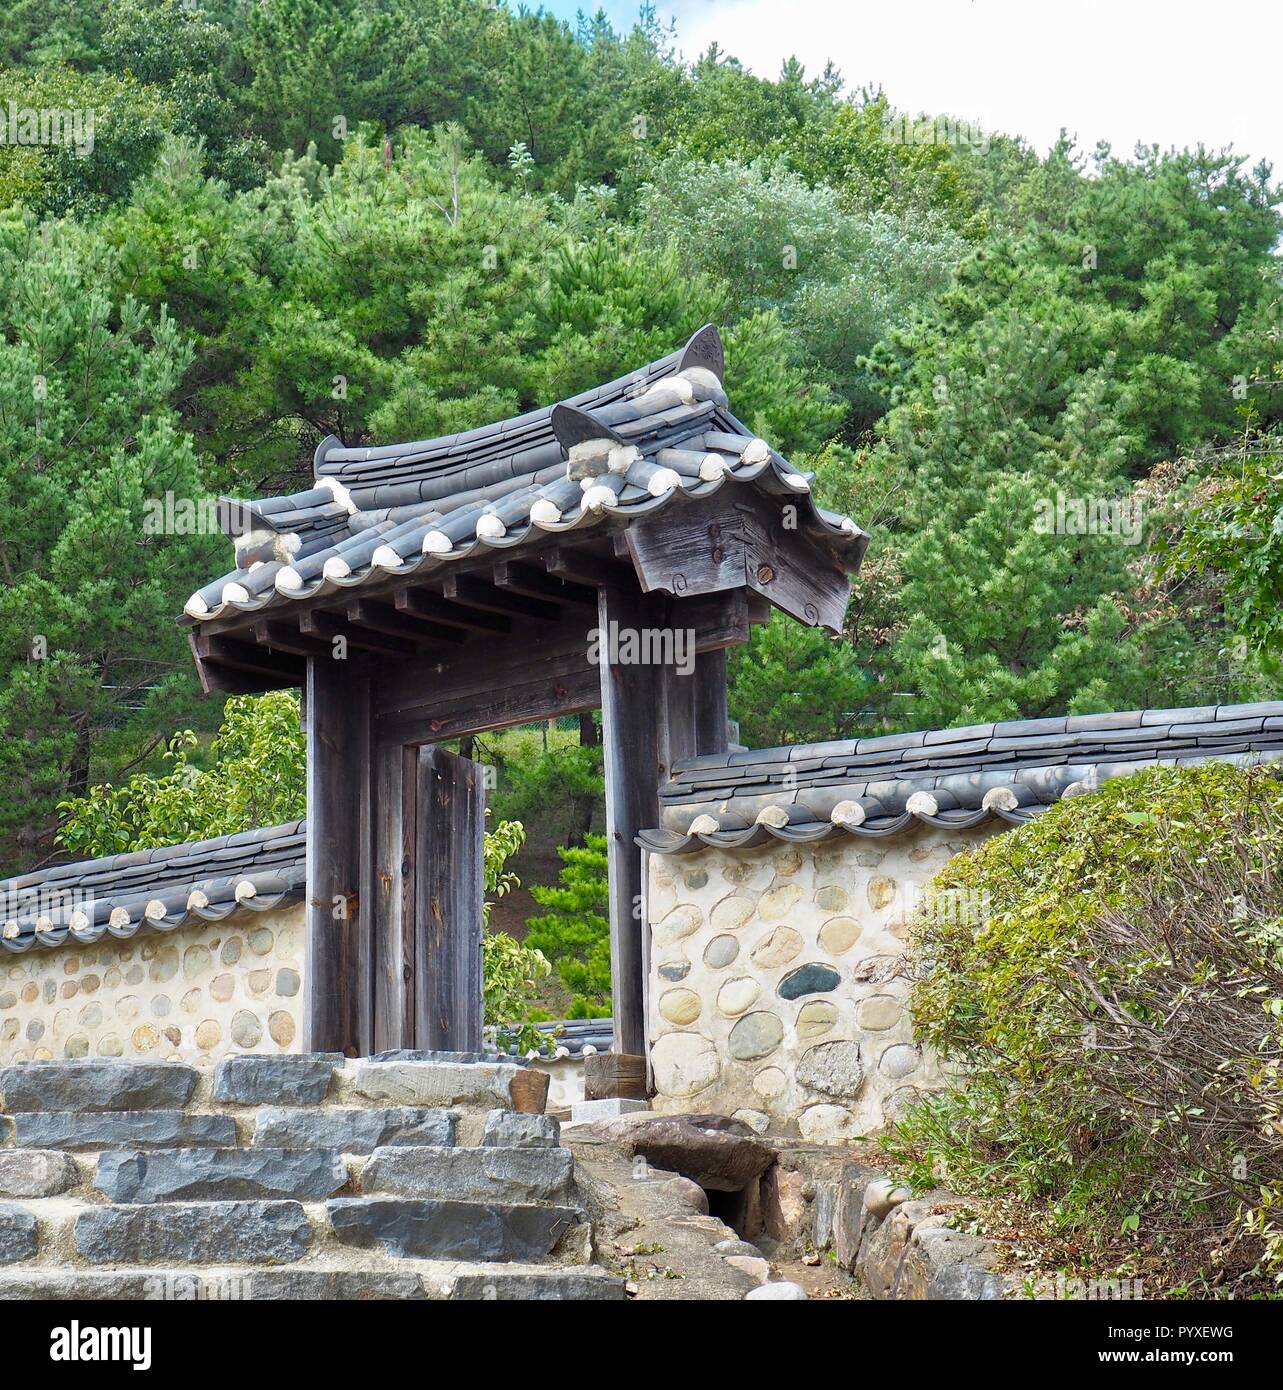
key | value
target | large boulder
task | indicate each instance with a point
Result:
(720, 1154)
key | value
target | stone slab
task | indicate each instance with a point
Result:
(196, 1175)
(18, 1237)
(354, 1131)
(203, 1286)
(35, 1173)
(553, 1285)
(93, 1086)
(448, 1230)
(585, 1112)
(289, 1079)
(510, 1175)
(198, 1232)
(508, 1129)
(132, 1129)
(439, 1083)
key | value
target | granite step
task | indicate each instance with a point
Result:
(444, 1229)
(130, 1129)
(258, 1232)
(200, 1175)
(96, 1086)
(465, 1174)
(458, 1281)
(358, 1130)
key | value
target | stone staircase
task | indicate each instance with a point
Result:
(404, 1176)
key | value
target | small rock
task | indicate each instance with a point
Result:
(882, 1194)
(754, 1266)
(681, 1191)
(737, 1247)
(782, 1292)
(811, 1259)
(510, 1129)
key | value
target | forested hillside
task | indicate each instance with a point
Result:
(391, 220)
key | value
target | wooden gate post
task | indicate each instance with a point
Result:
(338, 913)
(648, 720)
(449, 898)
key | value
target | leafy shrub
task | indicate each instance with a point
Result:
(575, 933)
(1118, 1015)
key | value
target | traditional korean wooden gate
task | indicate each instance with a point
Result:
(423, 592)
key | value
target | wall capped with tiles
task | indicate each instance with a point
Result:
(193, 995)
(775, 988)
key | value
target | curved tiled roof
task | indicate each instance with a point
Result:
(156, 890)
(952, 779)
(621, 452)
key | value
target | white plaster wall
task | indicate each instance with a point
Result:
(728, 933)
(193, 995)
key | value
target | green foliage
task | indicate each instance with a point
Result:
(1105, 984)
(92, 666)
(575, 933)
(1235, 532)
(255, 776)
(795, 684)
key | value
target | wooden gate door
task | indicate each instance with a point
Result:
(429, 827)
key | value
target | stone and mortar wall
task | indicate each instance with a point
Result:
(773, 992)
(200, 993)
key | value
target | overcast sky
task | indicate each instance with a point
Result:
(1172, 73)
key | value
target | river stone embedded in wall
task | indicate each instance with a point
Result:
(777, 949)
(737, 995)
(754, 1036)
(827, 1124)
(731, 913)
(899, 1060)
(673, 971)
(880, 1011)
(816, 1018)
(839, 934)
(720, 952)
(813, 978)
(684, 1063)
(681, 922)
(831, 898)
(776, 903)
(788, 862)
(695, 880)
(832, 1067)
(881, 892)
(680, 1006)
(770, 1082)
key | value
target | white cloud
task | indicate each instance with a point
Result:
(1173, 74)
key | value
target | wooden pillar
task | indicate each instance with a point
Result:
(449, 894)
(338, 976)
(712, 733)
(648, 722)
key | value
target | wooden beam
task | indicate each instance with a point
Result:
(537, 583)
(712, 725)
(477, 593)
(235, 655)
(379, 617)
(286, 637)
(647, 715)
(449, 854)
(339, 798)
(424, 603)
(332, 628)
(582, 567)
